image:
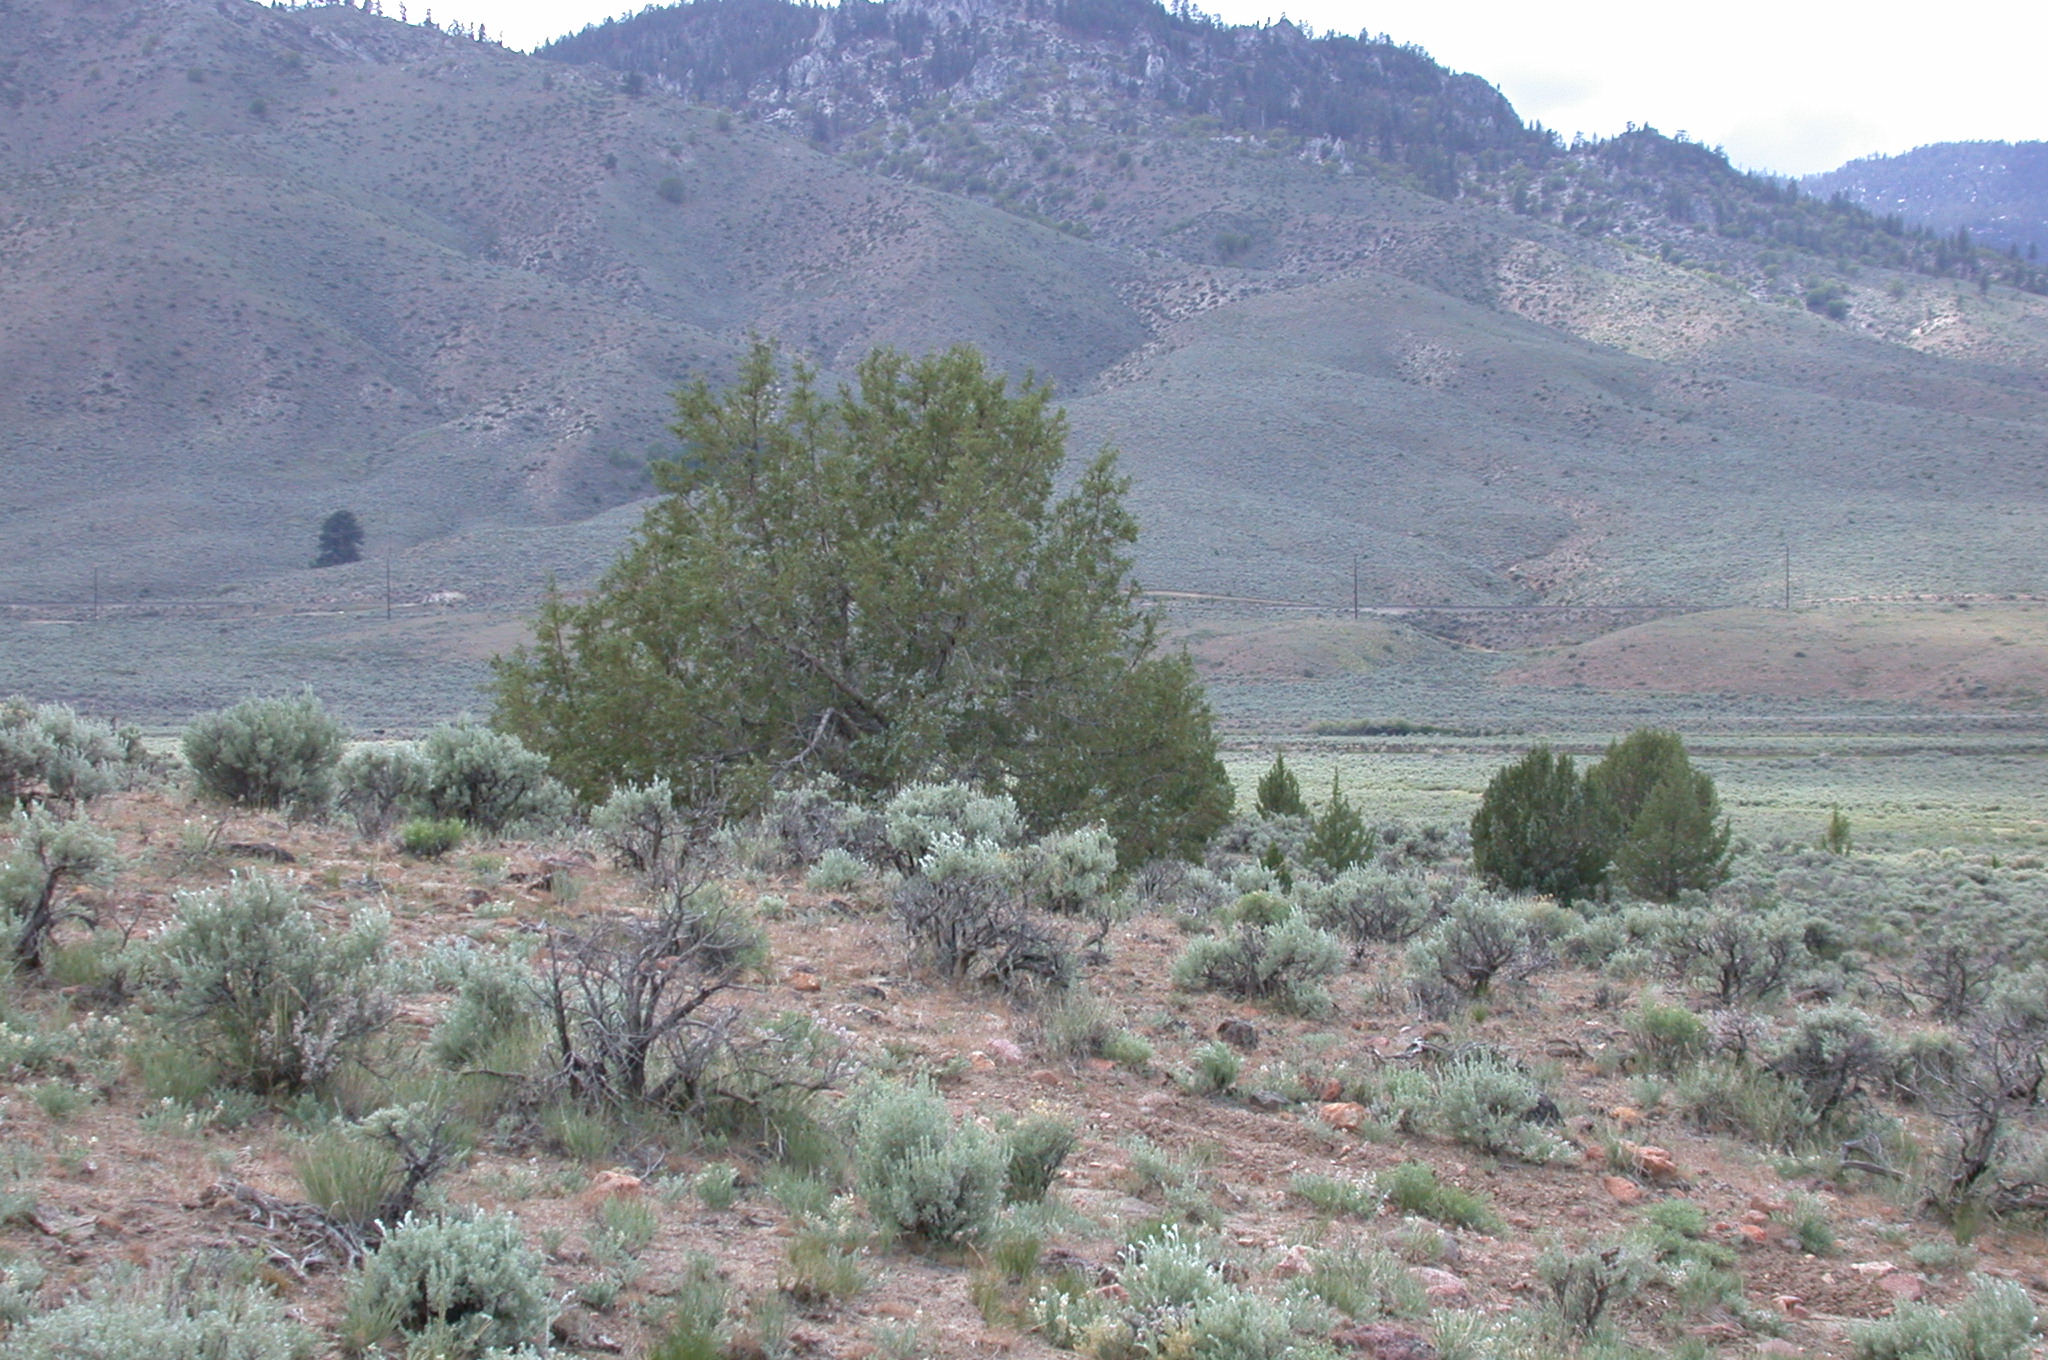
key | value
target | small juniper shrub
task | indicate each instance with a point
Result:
(273, 754)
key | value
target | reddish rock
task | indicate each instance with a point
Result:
(1791, 1305)
(1622, 1189)
(1628, 1116)
(1045, 1076)
(1752, 1234)
(1904, 1288)
(1440, 1285)
(1383, 1341)
(1656, 1163)
(804, 982)
(1759, 1204)
(1347, 1115)
(1329, 1089)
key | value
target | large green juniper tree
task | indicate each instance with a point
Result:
(879, 585)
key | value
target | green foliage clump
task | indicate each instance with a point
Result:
(1490, 1104)
(1283, 965)
(431, 837)
(377, 784)
(966, 913)
(835, 872)
(276, 1001)
(1996, 1322)
(182, 1315)
(470, 1281)
(1537, 831)
(1739, 952)
(1367, 905)
(486, 778)
(1667, 1036)
(977, 621)
(341, 533)
(922, 1174)
(277, 754)
(1279, 792)
(1585, 1282)
(47, 751)
(1481, 940)
(1337, 839)
(48, 852)
(1835, 837)
(1036, 1148)
(1413, 1188)
(1664, 829)
(1177, 1300)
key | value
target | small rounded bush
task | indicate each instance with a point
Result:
(835, 871)
(473, 1273)
(267, 753)
(486, 778)
(430, 837)
(277, 1002)
(377, 784)
(922, 1174)
(177, 1317)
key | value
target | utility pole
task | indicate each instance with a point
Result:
(1788, 576)
(1354, 587)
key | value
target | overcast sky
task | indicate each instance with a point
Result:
(1790, 86)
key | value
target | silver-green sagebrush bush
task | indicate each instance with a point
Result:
(50, 752)
(487, 779)
(921, 1173)
(274, 754)
(1482, 940)
(48, 852)
(1284, 964)
(965, 912)
(182, 1315)
(1367, 905)
(1995, 1322)
(279, 1002)
(378, 784)
(472, 1280)
(1177, 1299)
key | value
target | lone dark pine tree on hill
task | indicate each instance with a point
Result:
(341, 540)
(879, 586)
